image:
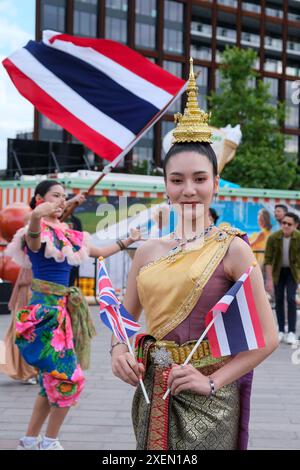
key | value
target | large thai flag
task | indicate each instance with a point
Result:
(236, 324)
(102, 92)
(112, 312)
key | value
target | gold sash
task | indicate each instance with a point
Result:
(170, 287)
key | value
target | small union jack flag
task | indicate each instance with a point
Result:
(113, 314)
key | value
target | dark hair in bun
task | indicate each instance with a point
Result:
(204, 149)
(42, 189)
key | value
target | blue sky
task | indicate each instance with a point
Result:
(17, 26)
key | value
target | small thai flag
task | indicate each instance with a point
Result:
(237, 326)
(112, 312)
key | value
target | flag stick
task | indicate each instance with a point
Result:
(194, 348)
(132, 353)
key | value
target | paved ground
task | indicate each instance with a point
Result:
(102, 420)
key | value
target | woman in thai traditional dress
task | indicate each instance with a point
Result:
(15, 367)
(176, 280)
(53, 332)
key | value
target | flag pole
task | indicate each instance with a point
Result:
(194, 348)
(132, 353)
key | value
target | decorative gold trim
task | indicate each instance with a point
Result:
(188, 304)
(172, 256)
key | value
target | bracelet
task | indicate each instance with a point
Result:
(212, 387)
(116, 344)
(33, 234)
(121, 244)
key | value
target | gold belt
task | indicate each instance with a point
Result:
(165, 353)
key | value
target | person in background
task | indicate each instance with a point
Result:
(258, 240)
(282, 261)
(279, 212)
(213, 216)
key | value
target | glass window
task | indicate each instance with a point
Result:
(200, 52)
(147, 8)
(272, 65)
(274, 12)
(117, 4)
(292, 144)
(218, 79)
(229, 3)
(116, 29)
(273, 86)
(272, 43)
(176, 69)
(54, 15)
(48, 130)
(166, 126)
(250, 39)
(173, 67)
(143, 151)
(85, 18)
(226, 34)
(173, 27)
(293, 70)
(202, 82)
(294, 16)
(145, 27)
(251, 7)
(292, 106)
(201, 29)
(91, 2)
(293, 46)
(116, 20)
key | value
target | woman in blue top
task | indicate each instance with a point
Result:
(53, 332)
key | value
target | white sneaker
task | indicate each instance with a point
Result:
(291, 338)
(33, 446)
(281, 336)
(31, 381)
(55, 445)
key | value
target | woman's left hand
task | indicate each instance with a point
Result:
(135, 234)
(188, 378)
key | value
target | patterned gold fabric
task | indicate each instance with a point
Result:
(188, 421)
(179, 278)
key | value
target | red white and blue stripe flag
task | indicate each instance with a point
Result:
(104, 93)
(237, 326)
(112, 312)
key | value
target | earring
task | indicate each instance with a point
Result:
(215, 196)
(168, 200)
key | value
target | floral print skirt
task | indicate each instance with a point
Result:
(45, 339)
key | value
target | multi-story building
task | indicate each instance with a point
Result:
(169, 31)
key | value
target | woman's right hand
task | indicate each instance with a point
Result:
(46, 209)
(125, 367)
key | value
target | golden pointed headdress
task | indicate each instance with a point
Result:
(192, 126)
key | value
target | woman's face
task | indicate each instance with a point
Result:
(55, 193)
(190, 183)
(261, 219)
